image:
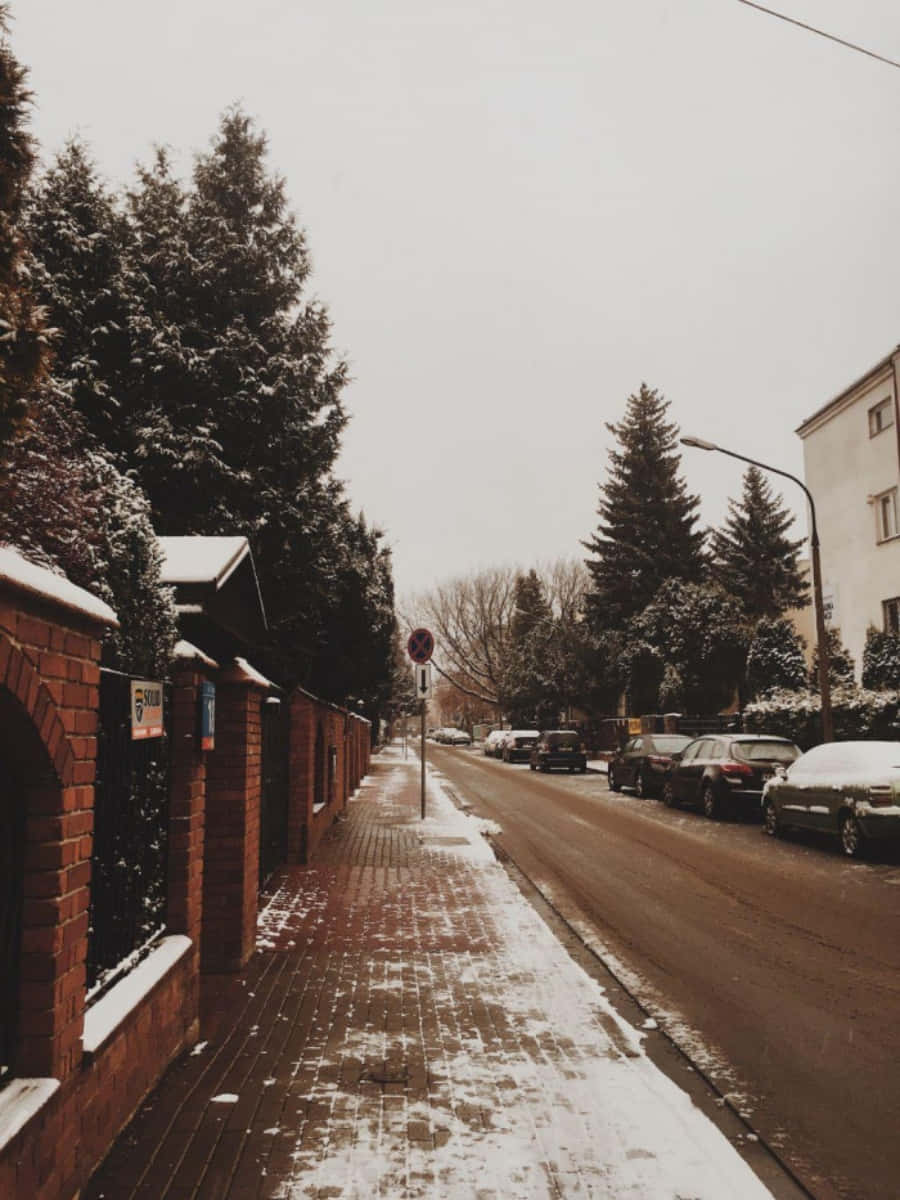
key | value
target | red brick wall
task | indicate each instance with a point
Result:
(49, 693)
(54, 1155)
(49, 675)
(347, 734)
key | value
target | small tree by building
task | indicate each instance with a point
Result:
(840, 665)
(881, 660)
(775, 659)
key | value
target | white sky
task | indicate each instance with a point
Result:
(518, 211)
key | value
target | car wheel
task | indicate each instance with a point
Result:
(582, 770)
(852, 840)
(531, 766)
(670, 800)
(771, 824)
(640, 785)
(613, 781)
(710, 803)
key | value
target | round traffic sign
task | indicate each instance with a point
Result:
(420, 645)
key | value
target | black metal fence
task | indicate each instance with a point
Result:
(12, 855)
(273, 830)
(694, 726)
(131, 821)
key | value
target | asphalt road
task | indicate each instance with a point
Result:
(774, 964)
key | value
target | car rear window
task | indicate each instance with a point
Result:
(669, 745)
(555, 740)
(783, 752)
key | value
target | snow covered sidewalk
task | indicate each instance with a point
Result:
(410, 1028)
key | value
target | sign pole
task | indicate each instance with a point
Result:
(423, 760)
(420, 648)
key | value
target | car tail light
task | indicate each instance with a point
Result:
(881, 794)
(736, 768)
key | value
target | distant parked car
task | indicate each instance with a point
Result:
(726, 769)
(558, 748)
(493, 743)
(459, 737)
(851, 789)
(517, 743)
(643, 762)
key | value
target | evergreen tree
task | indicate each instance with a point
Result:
(775, 658)
(698, 636)
(64, 501)
(646, 533)
(236, 410)
(355, 663)
(841, 671)
(530, 606)
(67, 507)
(23, 340)
(80, 243)
(753, 558)
(881, 660)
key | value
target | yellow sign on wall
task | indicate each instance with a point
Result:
(634, 725)
(146, 709)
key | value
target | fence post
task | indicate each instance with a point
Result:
(231, 846)
(187, 800)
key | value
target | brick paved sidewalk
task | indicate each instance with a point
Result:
(409, 1028)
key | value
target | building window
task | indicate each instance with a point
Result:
(881, 416)
(891, 612)
(886, 514)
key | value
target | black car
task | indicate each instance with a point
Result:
(643, 761)
(558, 748)
(727, 769)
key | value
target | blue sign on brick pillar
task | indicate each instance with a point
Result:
(207, 715)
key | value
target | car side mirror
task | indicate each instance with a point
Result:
(676, 757)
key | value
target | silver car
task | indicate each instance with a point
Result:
(851, 789)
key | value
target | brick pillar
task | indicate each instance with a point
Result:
(187, 801)
(49, 695)
(301, 775)
(231, 850)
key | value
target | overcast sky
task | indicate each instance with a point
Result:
(518, 211)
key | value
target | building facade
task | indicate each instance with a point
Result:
(851, 453)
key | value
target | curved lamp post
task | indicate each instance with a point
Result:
(821, 635)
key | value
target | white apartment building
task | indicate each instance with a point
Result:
(851, 454)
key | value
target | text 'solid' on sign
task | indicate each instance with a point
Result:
(146, 709)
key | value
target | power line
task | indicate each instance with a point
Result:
(891, 62)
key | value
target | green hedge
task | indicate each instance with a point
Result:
(859, 714)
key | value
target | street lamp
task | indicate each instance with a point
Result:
(824, 683)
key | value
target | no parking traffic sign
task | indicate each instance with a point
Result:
(420, 645)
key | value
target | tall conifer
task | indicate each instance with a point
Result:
(23, 341)
(646, 533)
(753, 558)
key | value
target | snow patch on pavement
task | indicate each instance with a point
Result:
(548, 1093)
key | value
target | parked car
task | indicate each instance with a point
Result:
(459, 737)
(643, 761)
(517, 743)
(851, 789)
(558, 748)
(726, 769)
(493, 743)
